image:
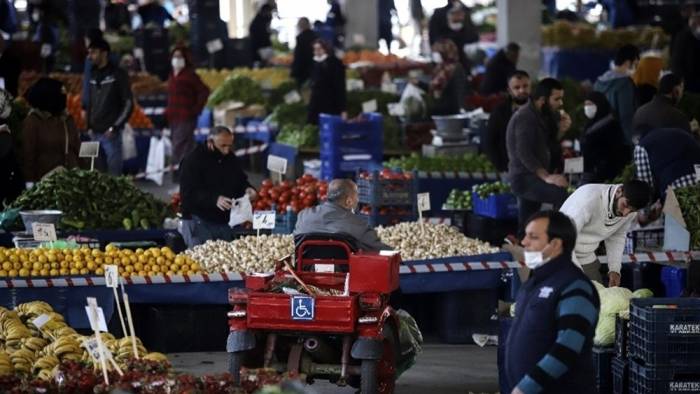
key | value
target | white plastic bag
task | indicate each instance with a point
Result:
(241, 211)
(412, 102)
(156, 160)
(128, 143)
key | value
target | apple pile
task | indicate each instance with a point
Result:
(304, 192)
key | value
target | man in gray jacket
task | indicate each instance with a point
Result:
(337, 216)
(532, 130)
(109, 106)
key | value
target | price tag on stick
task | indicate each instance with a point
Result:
(277, 165)
(93, 313)
(423, 205)
(112, 281)
(573, 165)
(90, 150)
(369, 106)
(41, 320)
(264, 220)
(214, 46)
(292, 97)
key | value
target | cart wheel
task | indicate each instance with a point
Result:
(234, 366)
(379, 376)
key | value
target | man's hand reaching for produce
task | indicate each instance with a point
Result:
(223, 203)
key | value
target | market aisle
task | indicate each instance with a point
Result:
(457, 369)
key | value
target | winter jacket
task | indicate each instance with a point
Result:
(451, 98)
(327, 89)
(303, 63)
(48, 142)
(187, 95)
(10, 174)
(527, 142)
(494, 142)
(605, 154)
(331, 218)
(620, 91)
(659, 113)
(592, 209)
(549, 345)
(685, 59)
(110, 102)
(204, 176)
(498, 69)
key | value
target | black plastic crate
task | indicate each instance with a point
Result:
(602, 361)
(662, 380)
(620, 371)
(621, 337)
(665, 331)
(377, 191)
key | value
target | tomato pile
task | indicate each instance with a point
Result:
(305, 192)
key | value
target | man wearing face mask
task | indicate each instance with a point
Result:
(618, 87)
(494, 142)
(303, 63)
(604, 213)
(327, 83)
(685, 57)
(211, 179)
(548, 349)
(187, 95)
(460, 30)
(662, 112)
(531, 132)
(337, 215)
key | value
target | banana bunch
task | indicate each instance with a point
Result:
(33, 308)
(6, 365)
(65, 348)
(124, 350)
(34, 344)
(44, 366)
(155, 356)
(23, 359)
(13, 330)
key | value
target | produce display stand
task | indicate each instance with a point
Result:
(105, 237)
(440, 184)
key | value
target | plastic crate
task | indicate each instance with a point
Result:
(621, 336)
(665, 331)
(674, 280)
(644, 379)
(602, 361)
(620, 371)
(339, 168)
(498, 206)
(343, 144)
(644, 240)
(378, 192)
(285, 223)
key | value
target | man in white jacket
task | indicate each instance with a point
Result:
(604, 213)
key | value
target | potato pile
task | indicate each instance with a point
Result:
(430, 242)
(25, 350)
(247, 254)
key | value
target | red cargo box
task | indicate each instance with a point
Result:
(372, 272)
(331, 314)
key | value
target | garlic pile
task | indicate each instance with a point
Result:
(433, 241)
(247, 254)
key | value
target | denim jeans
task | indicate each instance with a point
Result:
(532, 192)
(110, 158)
(197, 231)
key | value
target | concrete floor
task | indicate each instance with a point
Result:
(453, 369)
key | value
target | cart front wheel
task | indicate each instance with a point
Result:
(379, 376)
(235, 360)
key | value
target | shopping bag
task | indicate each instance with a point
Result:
(156, 160)
(128, 143)
(241, 211)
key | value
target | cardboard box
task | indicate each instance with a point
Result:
(676, 234)
(225, 114)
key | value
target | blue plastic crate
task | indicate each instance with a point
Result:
(674, 280)
(205, 119)
(665, 331)
(621, 336)
(620, 372)
(497, 206)
(331, 169)
(378, 192)
(376, 219)
(285, 223)
(254, 129)
(602, 362)
(644, 379)
(339, 137)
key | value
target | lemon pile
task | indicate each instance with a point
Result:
(26, 350)
(85, 261)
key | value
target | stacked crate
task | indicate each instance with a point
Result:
(349, 146)
(387, 198)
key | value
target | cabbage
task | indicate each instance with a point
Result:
(642, 293)
(605, 331)
(598, 286)
(614, 300)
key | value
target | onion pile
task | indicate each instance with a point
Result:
(247, 254)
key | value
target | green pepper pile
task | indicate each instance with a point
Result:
(485, 190)
(689, 201)
(460, 200)
(469, 162)
(298, 135)
(93, 200)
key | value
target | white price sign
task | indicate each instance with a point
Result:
(214, 46)
(423, 202)
(573, 165)
(354, 85)
(111, 276)
(396, 109)
(277, 164)
(93, 348)
(101, 324)
(264, 220)
(89, 149)
(41, 320)
(369, 106)
(44, 232)
(292, 97)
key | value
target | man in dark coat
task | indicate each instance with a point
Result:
(494, 142)
(259, 32)
(661, 111)
(303, 63)
(501, 66)
(211, 178)
(327, 83)
(685, 59)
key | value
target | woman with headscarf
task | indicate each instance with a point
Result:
(49, 136)
(449, 80)
(187, 95)
(10, 173)
(603, 143)
(327, 83)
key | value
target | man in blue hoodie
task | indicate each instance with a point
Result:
(619, 89)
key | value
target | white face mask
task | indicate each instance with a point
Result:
(590, 111)
(178, 63)
(321, 58)
(437, 58)
(456, 26)
(534, 259)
